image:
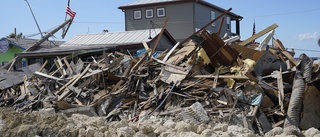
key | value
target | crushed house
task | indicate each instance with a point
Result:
(87, 45)
(10, 47)
(186, 17)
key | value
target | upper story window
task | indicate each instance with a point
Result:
(213, 16)
(149, 13)
(228, 23)
(137, 14)
(161, 12)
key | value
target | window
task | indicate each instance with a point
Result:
(161, 12)
(213, 16)
(137, 14)
(149, 13)
(228, 23)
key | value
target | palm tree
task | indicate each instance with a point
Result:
(13, 35)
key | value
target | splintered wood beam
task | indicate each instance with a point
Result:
(220, 27)
(258, 35)
(43, 65)
(61, 65)
(204, 27)
(279, 44)
(215, 81)
(220, 76)
(47, 76)
(159, 36)
(280, 90)
(68, 65)
(71, 83)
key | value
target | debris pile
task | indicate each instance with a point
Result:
(206, 79)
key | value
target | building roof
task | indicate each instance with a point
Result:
(143, 3)
(105, 41)
(114, 38)
(25, 43)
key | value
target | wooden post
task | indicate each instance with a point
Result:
(159, 36)
(220, 27)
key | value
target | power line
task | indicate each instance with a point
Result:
(284, 13)
(305, 50)
(93, 22)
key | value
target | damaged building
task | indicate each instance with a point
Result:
(204, 78)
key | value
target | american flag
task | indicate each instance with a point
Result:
(71, 13)
(254, 31)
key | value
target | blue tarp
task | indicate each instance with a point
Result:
(141, 51)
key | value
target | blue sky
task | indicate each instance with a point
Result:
(298, 21)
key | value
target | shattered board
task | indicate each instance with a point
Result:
(171, 75)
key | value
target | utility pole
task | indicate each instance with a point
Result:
(35, 45)
(34, 18)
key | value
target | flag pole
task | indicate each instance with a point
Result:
(254, 30)
(65, 18)
(66, 13)
(64, 29)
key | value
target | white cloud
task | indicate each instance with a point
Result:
(308, 36)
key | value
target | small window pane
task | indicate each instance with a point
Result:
(228, 23)
(213, 16)
(161, 12)
(137, 14)
(149, 13)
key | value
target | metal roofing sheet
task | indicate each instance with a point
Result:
(114, 38)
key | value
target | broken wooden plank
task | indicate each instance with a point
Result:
(59, 68)
(251, 77)
(68, 65)
(245, 52)
(47, 76)
(170, 65)
(280, 90)
(279, 44)
(170, 52)
(220, 76)
(258, 35)
(64, 94)
(43, 65)
(215, 81)
(181, 54)
(159, 36)
(217, 50)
